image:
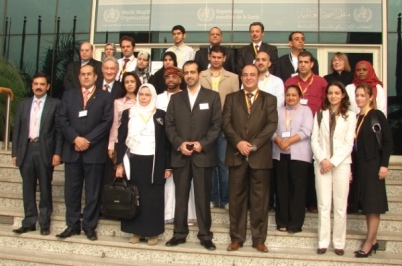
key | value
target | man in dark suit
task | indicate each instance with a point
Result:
(246, 55)
(37, 147)
(110, 68)
(85, 118)
(249, 120)
(287, 65)
(193, 123)
(73, 69)
(202, 55)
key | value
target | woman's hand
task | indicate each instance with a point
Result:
(110, 153)
(326, 166)
(119, 171)
(168, 173)
(383, 172)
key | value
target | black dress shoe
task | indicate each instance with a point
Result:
(45, 231)
(91, 234)
(69, 232)
(175, 241)
(208, 244)
(22, 230)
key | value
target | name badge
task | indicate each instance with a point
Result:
(83, 113)
(254, 62)
(304, 101)
(294, 74)
(204, 106)
(209, 65)
(286, 134)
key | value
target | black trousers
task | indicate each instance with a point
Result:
(76, 174)
(291, 185)
(33, 169)
(202, 177)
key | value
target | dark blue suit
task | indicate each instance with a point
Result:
(86, 165)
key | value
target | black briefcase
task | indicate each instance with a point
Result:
(120, 200)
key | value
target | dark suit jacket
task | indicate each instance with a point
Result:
(201, 124)
(246, 56)
(116, 92)
(201, 56)
(256, 128)
(50, 137)
(73, 70)
(284, 68)
(95, 127)
(162, 145)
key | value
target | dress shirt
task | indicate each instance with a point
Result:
(193, 97)
(183, 54)
(39, 113)
(109, 89)
(273, 85)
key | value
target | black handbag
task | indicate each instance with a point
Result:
(120, 200)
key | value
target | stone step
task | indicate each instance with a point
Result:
(14, 184)
(8, 170)
(191, 253)
(391, 241)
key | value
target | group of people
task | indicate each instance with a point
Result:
(192, 137)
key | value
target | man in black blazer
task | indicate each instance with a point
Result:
(36, 150)
(193, 123)
(287, 65)
(73, 69)
(215, 38)
(85, 117)
(110, 68)
(246, 55)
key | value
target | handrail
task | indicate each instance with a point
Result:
(10, 97)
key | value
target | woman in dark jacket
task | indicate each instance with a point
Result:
(372, 155)
(142, 137)
(341, 69)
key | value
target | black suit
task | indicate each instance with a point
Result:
(35, 159)
(201, 56)
(86, 165)
(246, 56)
(202, 123)
(73, 70)
(284, 67)
(116, 91)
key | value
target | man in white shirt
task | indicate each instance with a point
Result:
(268, 82)
(182, 51)
(128, 62)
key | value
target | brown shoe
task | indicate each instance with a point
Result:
(234, 246)
(153, 240)
(321, 251)
(261, 247)
(135, 239)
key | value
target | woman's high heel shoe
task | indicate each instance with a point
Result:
(362, 254)
(375, 247)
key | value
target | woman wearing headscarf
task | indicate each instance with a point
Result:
(142, 68)
(142, 136)
(332, 143)
(370, 164)
(341, 70)
(365, 74)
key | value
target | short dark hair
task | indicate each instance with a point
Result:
(138, 82)
(217, 49)
(297, 88)
(127, 38)
(256, 24)
(41, 75)
(190, 62)
(294, 32)
(180, 28)
(306, 54)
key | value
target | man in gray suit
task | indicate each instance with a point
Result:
(37, 147)
(193, 122)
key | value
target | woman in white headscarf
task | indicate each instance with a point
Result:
(142, 133)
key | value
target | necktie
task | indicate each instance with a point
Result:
(83, 63)
(249, 102)
(34, 122)
(85, 95)
(126, 60)
(106, 87)
(257, 48)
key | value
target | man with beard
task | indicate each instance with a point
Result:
(128, 62)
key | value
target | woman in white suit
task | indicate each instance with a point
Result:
(332, 143)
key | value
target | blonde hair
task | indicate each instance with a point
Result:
(369, 91)
(343, 57)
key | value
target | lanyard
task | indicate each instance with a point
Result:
(266, 80)
(361, 123)
(89, 97)
(306, 88)
(288, 116)
(179, 55)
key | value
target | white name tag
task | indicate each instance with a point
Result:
(286, 134)
(83, 113)
(204, 106)
(304, 101)
(295, 74)
(209, 65)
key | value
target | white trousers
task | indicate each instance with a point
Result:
(332, 187)
(170, 201)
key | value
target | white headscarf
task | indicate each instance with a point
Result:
(148, 110)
